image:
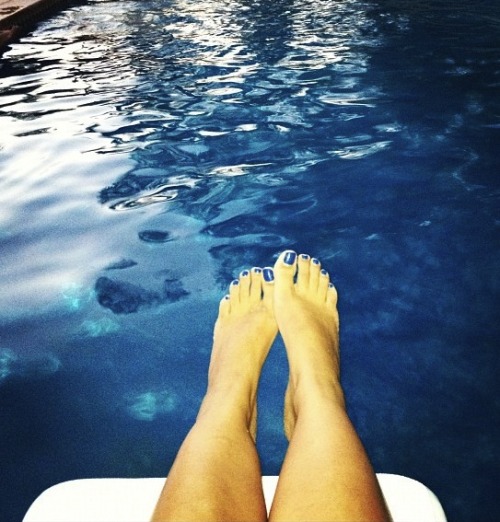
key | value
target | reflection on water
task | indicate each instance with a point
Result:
(151, 150)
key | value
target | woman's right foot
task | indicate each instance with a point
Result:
(305, 307)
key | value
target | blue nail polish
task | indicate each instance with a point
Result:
(235, 282)
(268, 274)
(305, 257)
(226, 298)
(330, 285)
(289, 258)
(244, 273)
(324, 272)
(315, 261)
(257, 270)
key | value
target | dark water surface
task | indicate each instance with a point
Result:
(151, 150)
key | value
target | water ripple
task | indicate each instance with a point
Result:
(354, 152)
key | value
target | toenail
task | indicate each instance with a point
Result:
(235, 282)
(324, 272)
(289, 258)
(244, 273)
(268, 274)
(305, 257)
(315, 261)
(257, 270)
(331, 285)
(226, 298)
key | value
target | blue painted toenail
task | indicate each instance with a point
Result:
(324, 272)
(315, 261)
(235, 282)
(268, 274)
(257, 270)
(244, 273)
(226, 298)
(330, 285)
(305, 257)
(289, 258)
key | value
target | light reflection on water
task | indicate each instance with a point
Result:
(181, 101)
(151, 150)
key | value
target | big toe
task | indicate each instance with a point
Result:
(284, 271)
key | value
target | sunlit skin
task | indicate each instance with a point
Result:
(326, 475)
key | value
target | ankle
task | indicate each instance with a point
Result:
(223, 404)
(317, 390)
(241, 389)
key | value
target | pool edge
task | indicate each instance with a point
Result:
(25, 18)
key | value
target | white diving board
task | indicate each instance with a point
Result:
(133, 500)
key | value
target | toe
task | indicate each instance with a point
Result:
(268, 286)
(255, 284)
(224, 306)
(284, 270)
(244, 284)
(314, 274)
(324, 281)
(268, 275)
(303, 272)
(331, 296)
(234, 293)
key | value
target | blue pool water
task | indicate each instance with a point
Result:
(150, 150)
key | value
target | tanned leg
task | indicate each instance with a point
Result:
(216, 475)
(326, 475)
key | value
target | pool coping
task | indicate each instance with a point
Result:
(18, 17)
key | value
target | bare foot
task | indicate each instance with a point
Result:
(244, 332)
(307, 317)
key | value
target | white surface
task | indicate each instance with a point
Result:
(133, 500)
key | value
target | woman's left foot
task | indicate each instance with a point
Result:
(244, 332)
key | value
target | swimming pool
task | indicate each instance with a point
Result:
(151, 150)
